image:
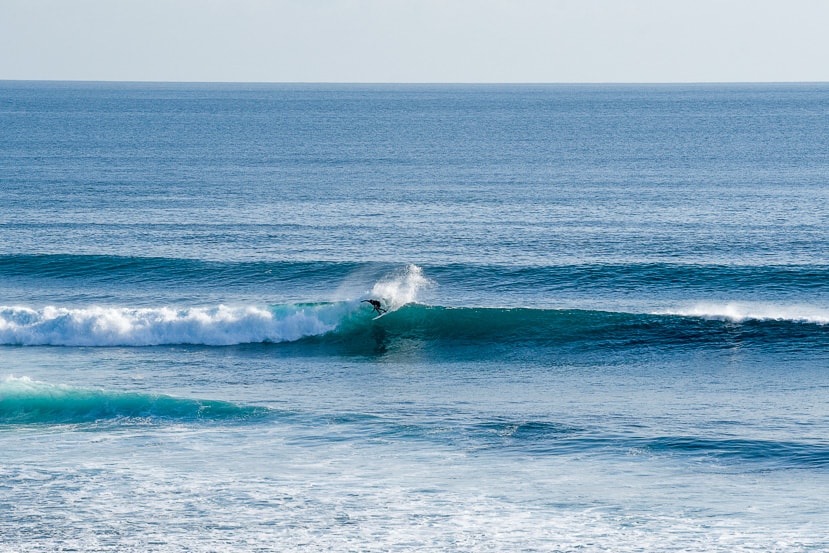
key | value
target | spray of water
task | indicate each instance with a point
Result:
(400, 287)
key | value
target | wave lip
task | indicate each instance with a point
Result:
(27, 401)
(120, 326)
(740, 312)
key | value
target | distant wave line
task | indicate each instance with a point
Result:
(610, 276)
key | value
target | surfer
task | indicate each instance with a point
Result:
(376, 305)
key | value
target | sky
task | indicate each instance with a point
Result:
(414, 41)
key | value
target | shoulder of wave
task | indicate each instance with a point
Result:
(740, 312)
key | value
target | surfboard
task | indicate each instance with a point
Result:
(380, 315)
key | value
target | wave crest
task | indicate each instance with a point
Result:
(740, 312)
(121, 326)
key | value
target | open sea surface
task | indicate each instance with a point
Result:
(608, 325)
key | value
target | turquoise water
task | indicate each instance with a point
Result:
(607, 328)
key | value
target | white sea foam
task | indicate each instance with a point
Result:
(215, 326)
(123, 326)
(747, 311)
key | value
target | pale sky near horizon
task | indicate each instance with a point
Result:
(415, 41)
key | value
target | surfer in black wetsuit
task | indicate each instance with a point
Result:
(376, 305)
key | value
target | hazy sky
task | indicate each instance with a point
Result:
(416, 40)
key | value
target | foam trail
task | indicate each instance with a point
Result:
(401, 287)
(121, 326)
(739, 312)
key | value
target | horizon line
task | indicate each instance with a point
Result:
(409, 83)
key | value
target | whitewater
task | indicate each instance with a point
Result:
(608, 323)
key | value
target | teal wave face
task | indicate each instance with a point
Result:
(488, 328)
(25, 401)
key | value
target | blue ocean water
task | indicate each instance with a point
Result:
(608, 323)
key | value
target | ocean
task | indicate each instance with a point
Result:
(607, 327)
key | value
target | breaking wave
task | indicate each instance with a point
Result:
(122, 326)
(214, 326)
(352, 322)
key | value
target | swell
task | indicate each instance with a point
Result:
(541, 438)
(351, 325)
(26, 401)
(638, 276)
(610, 277)
(163, 270)
(549, 438)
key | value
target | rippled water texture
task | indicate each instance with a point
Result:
(607, 327)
